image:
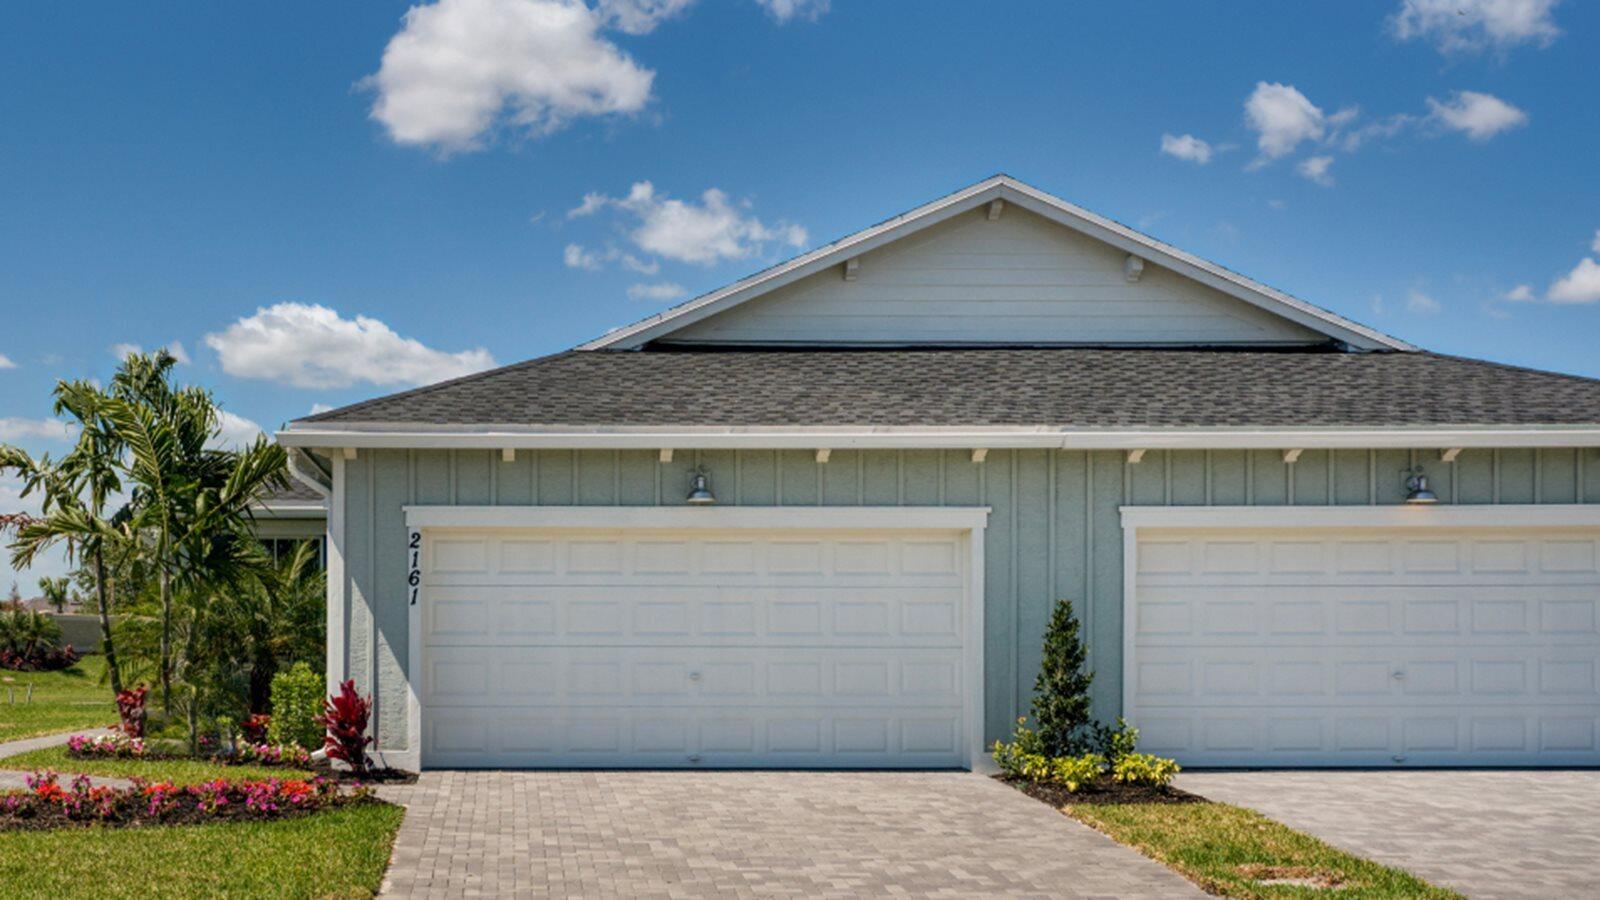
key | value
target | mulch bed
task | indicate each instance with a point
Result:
(373, 776)
(54, 819)
(1100, 793)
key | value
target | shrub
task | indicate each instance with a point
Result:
(346, 722)
(1144, 769)
(131, 712)
(29, 642)
(1061, 692)
(1012, 757)
(290, 755)
(1119, 740)
(296, 704)
(1073, 772)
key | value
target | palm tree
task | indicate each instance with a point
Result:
(75, 492)
(56, 592)
(274, 620)
(191, 502)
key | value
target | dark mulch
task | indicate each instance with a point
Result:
(373, 776)
(128, 815)
(1100, 793)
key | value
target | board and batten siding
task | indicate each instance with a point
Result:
(1019, 278)
(1054, 530)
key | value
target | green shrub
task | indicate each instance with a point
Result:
(1073, 772)
(1118, 740)
(296, 703)
(1144, 769)
(1061, 692)
(1011, 756)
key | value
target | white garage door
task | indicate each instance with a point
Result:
(705, 648)
(1366, 646)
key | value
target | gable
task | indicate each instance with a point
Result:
(1200, 317)
(1015, 279)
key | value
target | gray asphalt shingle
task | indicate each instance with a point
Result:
(1095, 388)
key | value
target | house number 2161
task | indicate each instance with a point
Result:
(414, 575)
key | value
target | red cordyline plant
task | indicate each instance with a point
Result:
(345, 717)
(130, 708)
(254, 728)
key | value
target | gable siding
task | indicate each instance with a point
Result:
(1019, 279)
(1054, 530)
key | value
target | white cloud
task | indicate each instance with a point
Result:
(593, 202)
(15, 429)
(312, 346)
(787, 10)
(659, 293)
(1186, 147)
(1282, 118)
(1596, 245)
(1522, 293)
(234, 431)
(457, 67)
(1379, 306)
(1581, 285)
(1315, 168)
(320, 408)
(1466, 26)
(6, 363)
(577, 256)
(179, 354)
(1480, 116)
(1418, 302)
(639, 16)
(706, 232)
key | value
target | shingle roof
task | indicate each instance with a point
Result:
(296, 492)
(1097, 388)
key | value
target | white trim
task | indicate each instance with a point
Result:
(338, 598)
(959, 518)
(377, 435)
(1137, 519)
(290, 509)
(1001, 187)
(968, 519)
(1397, 516)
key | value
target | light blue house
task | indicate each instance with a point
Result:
(818, 518)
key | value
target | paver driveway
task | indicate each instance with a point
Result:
(1483, 833)
(751, 834)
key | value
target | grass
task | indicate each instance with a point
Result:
(1226, 850)
(177, 771)
(340, 853)
(64, 700)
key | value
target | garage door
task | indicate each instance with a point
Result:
(1366, 646)
(671, 648)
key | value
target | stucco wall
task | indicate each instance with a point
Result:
(1054, 531)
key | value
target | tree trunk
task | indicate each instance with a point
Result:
(261, 685)
(104, 601)
(194, 688)
(165, 663)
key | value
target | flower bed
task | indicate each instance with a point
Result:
(120, 746)
(47, 804)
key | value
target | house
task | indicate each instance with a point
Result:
(819, 517)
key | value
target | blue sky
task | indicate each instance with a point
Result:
(324, 202)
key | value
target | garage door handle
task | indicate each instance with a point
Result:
(1399, 674)
(694, 676)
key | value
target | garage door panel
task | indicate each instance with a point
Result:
(728, 736)
(1432, 647)
(830, 613)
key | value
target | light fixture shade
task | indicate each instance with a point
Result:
(700, 488)
(1418, 490)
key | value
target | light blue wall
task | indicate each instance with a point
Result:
(1054, 531)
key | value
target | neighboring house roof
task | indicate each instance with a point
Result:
(296, 500)
(1009, 190)
(1056, 387)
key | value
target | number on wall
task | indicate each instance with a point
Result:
(414, 576)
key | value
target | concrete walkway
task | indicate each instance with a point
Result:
(751, 834)
(1486, 834)
(17, 779)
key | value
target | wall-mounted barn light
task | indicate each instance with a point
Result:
(700, 488)
(1417, 490)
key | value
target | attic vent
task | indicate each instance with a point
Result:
(1132, 268)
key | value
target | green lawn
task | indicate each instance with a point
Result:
(1227, 850)
(342, 853)
(177, 771)
(62, 701)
